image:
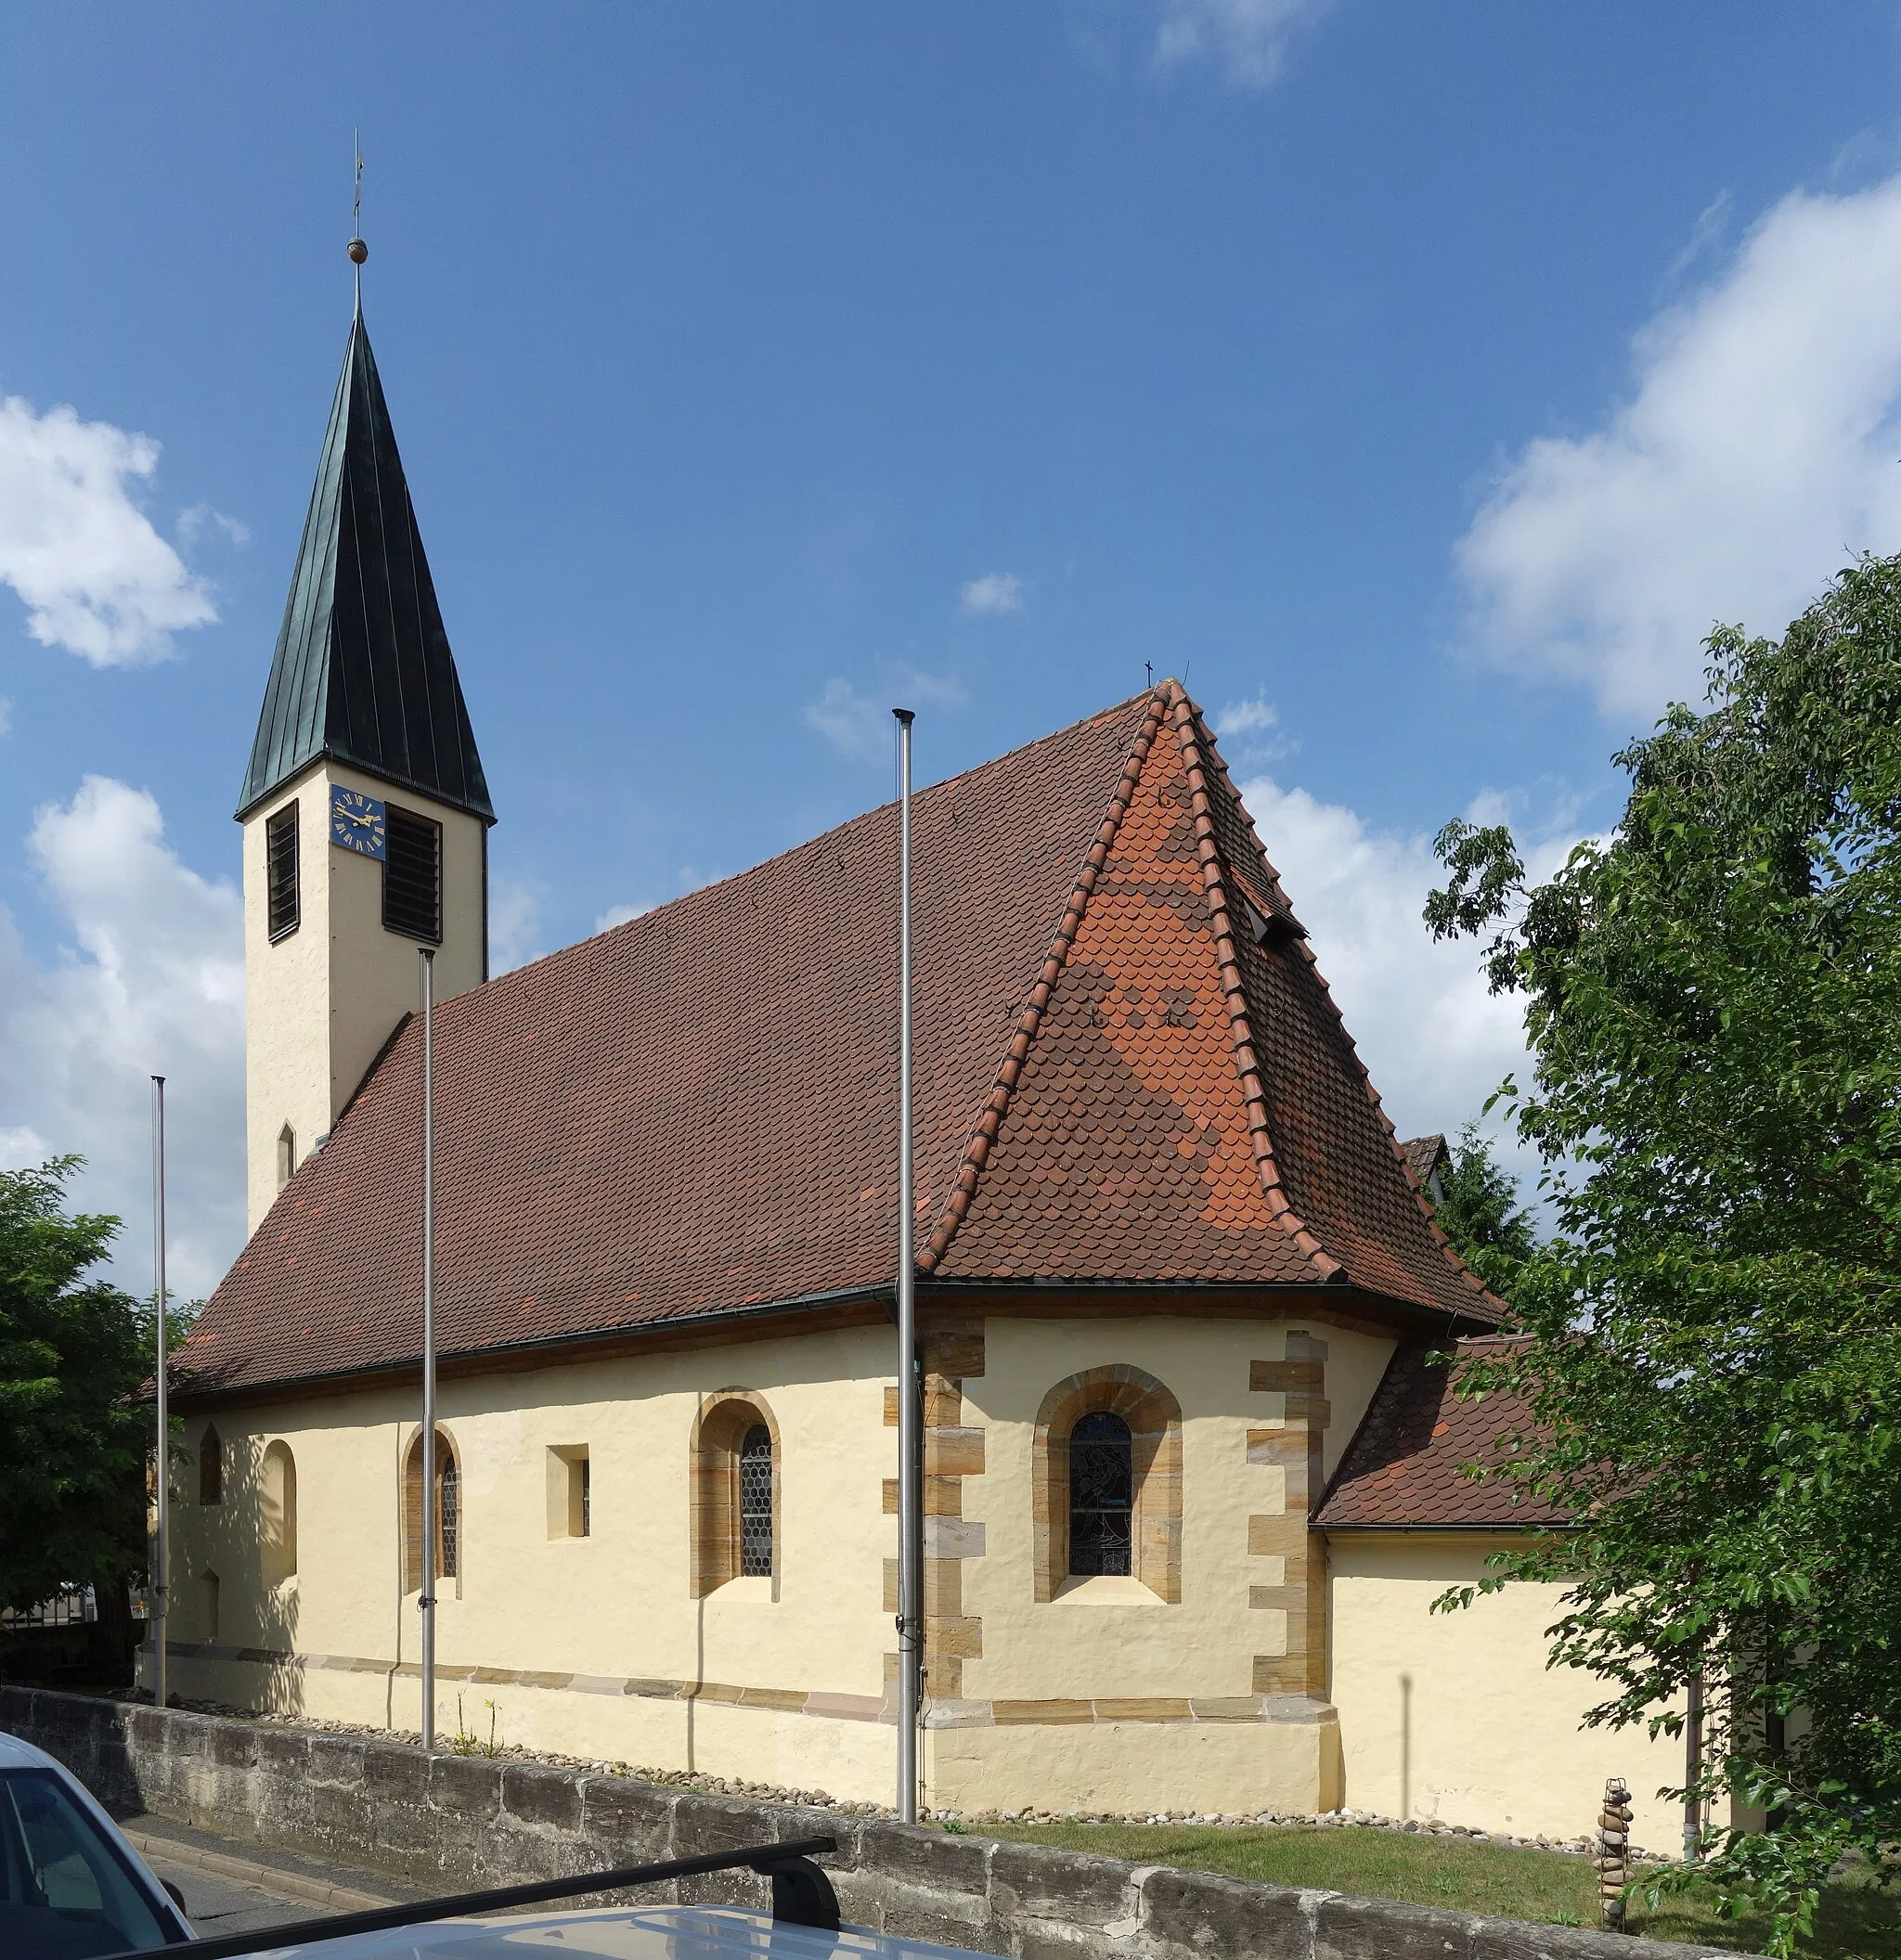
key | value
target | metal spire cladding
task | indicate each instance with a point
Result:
(363, 672)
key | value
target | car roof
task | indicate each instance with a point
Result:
(16, 1754)
(660, 1932)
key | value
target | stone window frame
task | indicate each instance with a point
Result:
(277, 1535)
(720, 1427)
(1155, 1426)
(448, 1454)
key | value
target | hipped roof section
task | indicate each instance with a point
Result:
(1129, 1071)
(363, 672)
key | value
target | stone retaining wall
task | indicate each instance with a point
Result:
(461, 1821)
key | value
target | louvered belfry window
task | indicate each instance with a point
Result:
(412, 876)
(280, 871)
(756, 1502)
(1102, 1495)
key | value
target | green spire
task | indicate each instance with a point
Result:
(363, 672)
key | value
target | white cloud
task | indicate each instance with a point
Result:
(618, 915)
(6, 714)
(1249, 38)
(199, 521)
(514, 922)
(994, 593)
(149, 980)
(1756, 453)
(851, 722)
(96, 578)
(1243, 718)
(856, 725)
(1434, 1041)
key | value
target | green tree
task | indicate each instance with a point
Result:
(1478, 1211)
(1714, 1333)
(74, 1351)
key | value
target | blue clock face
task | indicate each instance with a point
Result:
(357, 822)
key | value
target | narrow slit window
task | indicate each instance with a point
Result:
(586, 1500)
(1102, 1495)
(412, 876)
(756, 1502)
(286, 1154)
(211, 1467)
(280, 871)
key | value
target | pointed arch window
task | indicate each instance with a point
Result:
(211, 1466)
(286, 1154)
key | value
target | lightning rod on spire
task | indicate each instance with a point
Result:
(358, 250)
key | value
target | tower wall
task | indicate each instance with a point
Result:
(321, 1002)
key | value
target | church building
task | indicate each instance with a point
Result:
(1192, 1474)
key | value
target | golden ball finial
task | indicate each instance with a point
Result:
(358, 251)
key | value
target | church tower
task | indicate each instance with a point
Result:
(365, 809)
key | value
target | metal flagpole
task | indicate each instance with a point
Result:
(909, 1490)
(161, 1564)
(427, 1599)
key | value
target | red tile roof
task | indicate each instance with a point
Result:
(1123, 1073)
(1406, 1468)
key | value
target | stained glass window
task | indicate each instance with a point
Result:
(756, 1502)
(449, 1485)
(1102, 1495)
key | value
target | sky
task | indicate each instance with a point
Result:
(1418, 383)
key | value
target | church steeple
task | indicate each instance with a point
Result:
(365, 809)
(363, 674)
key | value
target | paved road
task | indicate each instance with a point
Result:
(233, 1886)
(216, 1905)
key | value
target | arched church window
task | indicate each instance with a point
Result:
(449, 1512)
(1106, 1482)
(734, 1515)
(286, 1154)
(211, 1466)
(1102, 1494)
(756, 1502)
(278, 1515)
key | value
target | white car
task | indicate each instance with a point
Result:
(70, 1887)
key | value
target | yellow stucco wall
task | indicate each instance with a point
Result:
(1456, 1715)
(1453, 1717)
(1113, 1637)
(588, 1616)
(321, 1002)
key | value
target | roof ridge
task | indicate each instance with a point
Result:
(1010, 1070)
(1188, 728)
(1307, 953)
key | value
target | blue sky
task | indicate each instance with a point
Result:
(1421, 380)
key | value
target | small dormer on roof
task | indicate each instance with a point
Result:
(363, 672)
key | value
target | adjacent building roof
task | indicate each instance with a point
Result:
(1129, 1071)
(363, 672)
(1426, 1156)
(1406, 1467)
